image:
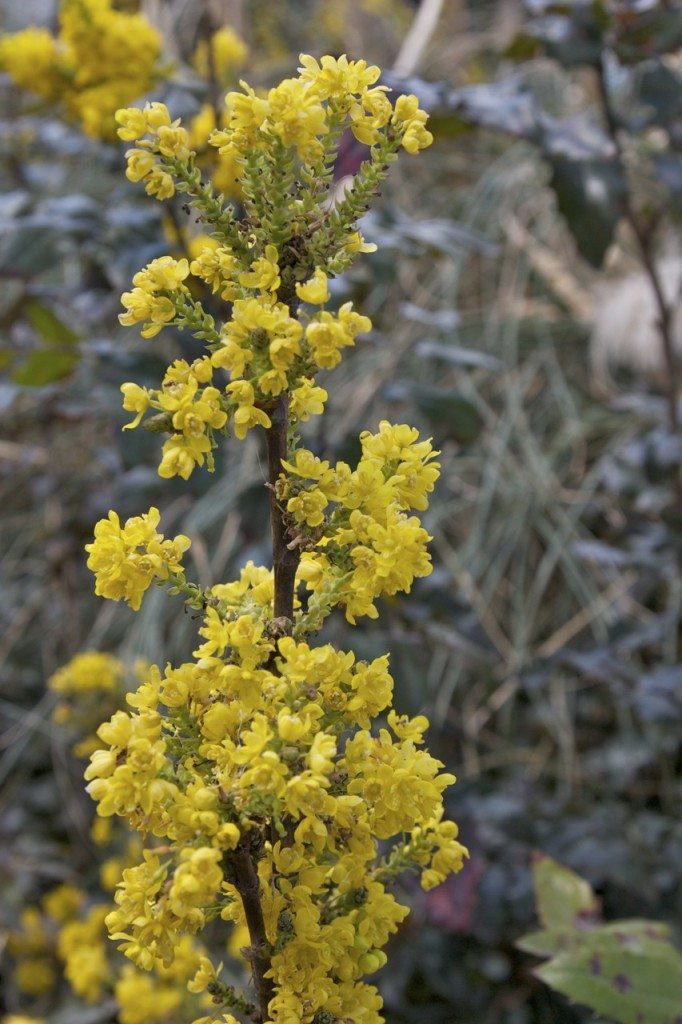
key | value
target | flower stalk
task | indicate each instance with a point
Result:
(260, 765)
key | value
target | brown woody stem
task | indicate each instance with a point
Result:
(247, 884)
(284, 560)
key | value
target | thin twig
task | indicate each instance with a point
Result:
(642, 238)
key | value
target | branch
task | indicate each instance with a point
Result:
(284, 560)
(665, 311)
(247, 883)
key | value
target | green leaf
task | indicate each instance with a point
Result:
(633, 932)
(638, 985)
(44, 366)
(589, 194)
(564, 900)
(48, 325)
(545, 943)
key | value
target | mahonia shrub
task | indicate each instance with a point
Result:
(268, 793)
(99, 60)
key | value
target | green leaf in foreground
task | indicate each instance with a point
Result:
(564, 899)
(641, 985)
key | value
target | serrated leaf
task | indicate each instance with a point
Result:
(564, 899)
(642, 986)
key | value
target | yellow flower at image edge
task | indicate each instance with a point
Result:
(126, 559)
(15, 1018)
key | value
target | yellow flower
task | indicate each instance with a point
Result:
(140, 163)
(63, 902)
(82, 948)
(135, 399)
(163, 274)
(307, 400)
(181, 454)
(296, 116)
(308, 507)
(355, 243)
(216, 266)
(370, 115)
(328, 334)
(159, 183)
(125, 560)
(264, 273)
(338, 77)
(315, 290)
(132, 125)
(143, 999)
(412, 121)
(206, 973)
(246, 415)
(321, 754)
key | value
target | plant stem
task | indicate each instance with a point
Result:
(248, 886)
(664, 321)
(284, 560)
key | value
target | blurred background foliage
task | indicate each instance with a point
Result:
(526, 303)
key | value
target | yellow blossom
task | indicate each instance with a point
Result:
(126, 559)
(314, 291)
(264, 273)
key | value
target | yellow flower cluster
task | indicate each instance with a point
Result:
(300, 112)
(259, 767)
(60, 935)
(87, 688)
(82, 948)
(148, 302)
(358, 541)
(252, 732)
(267, 345)
(31, 947)
(87, 672)
(266, 350)
(192, 413)
(127, 559)
(100, 60)
(163, 996)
